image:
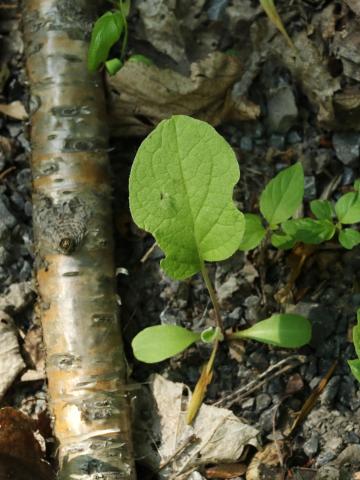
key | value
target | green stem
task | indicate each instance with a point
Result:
(214, 300)
(126, 33)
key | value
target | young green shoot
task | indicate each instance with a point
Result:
(107, 31)
(181, 186)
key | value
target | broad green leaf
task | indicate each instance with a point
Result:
(282, 241)
(272, 13)
(355, 368)
(307, 230)
(106, 32)
(138, 58)
(181, 186)
(322, 209)
(155, 344)
(113, 65)
(349, 238)
(283, 330)
(283, 195)
(348, 208)
(254, 232)
(357, 185)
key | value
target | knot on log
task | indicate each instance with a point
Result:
(64, 224)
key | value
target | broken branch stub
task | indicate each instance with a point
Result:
(73, 239)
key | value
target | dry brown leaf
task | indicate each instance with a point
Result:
(14, 110)
(226, 470)
(21, 456)
(216, 435)
(310, 68)
(11, 362)
(354, 5)
(296, 261)
(6, 147)
(161, 28)
(347, 107)
(143, 95)
(266, 464)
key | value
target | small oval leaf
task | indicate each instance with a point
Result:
(254, 232)
(283, 330)
(138, 58)
(282, 241)
(349, 238)
(155, 344)
(113, 66)
(355, 368)
(348, 208)
(308, 230)
(283, 195)
(322, 209)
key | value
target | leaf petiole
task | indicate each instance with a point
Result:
(214, 300)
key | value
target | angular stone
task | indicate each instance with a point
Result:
(347, 147)
(282, 110)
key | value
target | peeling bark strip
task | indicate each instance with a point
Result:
(73, 235)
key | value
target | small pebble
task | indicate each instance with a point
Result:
(277, 141)
(246, 144)
(311, 446)
(351, 437)
(347, 147)
(324, 458)
(309, 188)
(331, 390)
(258, 360)
(263, 400)
(334, 444)
(249, 403)
(293, 137)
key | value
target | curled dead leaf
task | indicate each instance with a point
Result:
(142, 95)
(267, 464)
(227, 470)
(11, 362)
(14, 110)
(216, 436)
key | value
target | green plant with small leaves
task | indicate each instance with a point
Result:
(280, 201)
(181, 187)
(108, 30)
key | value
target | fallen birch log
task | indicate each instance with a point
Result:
(74, 244)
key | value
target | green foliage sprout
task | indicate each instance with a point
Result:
(110, 28)
(279, 203)
(180, 190)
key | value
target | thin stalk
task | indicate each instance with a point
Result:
(126, 31)
(214, 300)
